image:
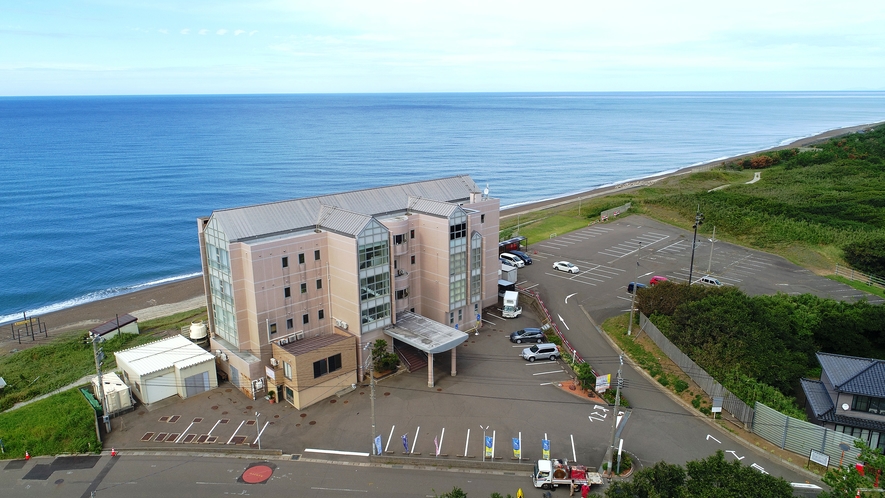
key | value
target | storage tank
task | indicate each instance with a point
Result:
(198, 331)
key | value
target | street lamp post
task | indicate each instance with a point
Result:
(698, 221)
(371, 364)
(483, 441)
(712, 241)
(611, 457)
(633, 297)
(258, 429)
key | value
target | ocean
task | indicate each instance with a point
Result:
(101, 194)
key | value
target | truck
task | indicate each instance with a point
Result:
(511, 304)
(549, 474)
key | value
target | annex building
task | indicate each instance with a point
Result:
(299, 290)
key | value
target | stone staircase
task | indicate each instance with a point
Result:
(412, 358)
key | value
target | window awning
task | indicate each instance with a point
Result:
(425, 334)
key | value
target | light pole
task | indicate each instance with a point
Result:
(611, 456)
(712, 241)
(698, 221)
(483, 441)
(633, 297)
(258, 429)
(371, 363)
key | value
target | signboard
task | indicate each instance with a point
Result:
(603, 382)
(820, 458)
(717, 404)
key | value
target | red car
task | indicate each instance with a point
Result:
(656, 280)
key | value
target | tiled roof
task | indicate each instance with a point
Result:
(817, 396)
(863, 423)
(278, 218)
(849, 374)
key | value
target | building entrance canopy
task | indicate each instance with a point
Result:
(425, 334)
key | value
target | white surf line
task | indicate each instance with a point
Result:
(570, 295)
(388, 439)
(335, 452)
(548, 373)
(563, 322)
(235, 432)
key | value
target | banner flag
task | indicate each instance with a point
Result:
(516, 449)
(436, 444)
(406, 442)
(377, 445)
(489, 442)
(545, 449)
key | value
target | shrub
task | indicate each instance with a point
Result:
(680, 385)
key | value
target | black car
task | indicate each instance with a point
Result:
(527, 335)
(631, 285)
(523, 256)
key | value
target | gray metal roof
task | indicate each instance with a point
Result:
(850, 374)
(818, 398)
(313, 343)
(342, 221)
(175, 351)
(425, 334)
(110, 326)
(430, 206)
(277, 218)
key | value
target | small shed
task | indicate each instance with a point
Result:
(116, 392)
(164, 368)
(124, 324)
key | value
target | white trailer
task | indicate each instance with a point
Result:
(511, 305)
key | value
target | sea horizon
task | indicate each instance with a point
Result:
(96, 174)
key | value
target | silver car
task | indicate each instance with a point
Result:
(547, 351)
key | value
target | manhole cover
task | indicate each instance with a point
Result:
(228, 390)
(333, 401)
(438, 389)
(303, 415)
(257, 474)
(297, 425)
(387, 394)
(312, 422)
(59, 481)
(215, 407)
(249, 407)
(276, 416)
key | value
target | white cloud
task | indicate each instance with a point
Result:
(203, 31)
(238, 32)
(221, 32)
(253, 32)
(164, 31)
(186, 31)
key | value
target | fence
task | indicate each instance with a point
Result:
(786, 432)
(613, 212)
(541, 311)
(731, 403)
(851, 274)
(801, 437)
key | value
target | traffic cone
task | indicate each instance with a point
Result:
(27, 456)
(113, 452)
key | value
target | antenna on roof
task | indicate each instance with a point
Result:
(485, 193)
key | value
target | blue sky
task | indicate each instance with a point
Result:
(110, 47)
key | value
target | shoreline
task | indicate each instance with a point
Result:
(182, 295)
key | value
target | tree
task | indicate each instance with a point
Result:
(845, 481)
(456, 492)
(712, 477)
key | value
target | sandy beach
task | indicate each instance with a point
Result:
(184, 295)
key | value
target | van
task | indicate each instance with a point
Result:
(511, 259)
(511, 305)
(708, 280)
(547, 351)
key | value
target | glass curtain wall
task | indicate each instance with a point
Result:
(373, 248)
(220, 282)
(457, 260)
(475, 267)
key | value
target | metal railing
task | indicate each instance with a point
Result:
(852, 274)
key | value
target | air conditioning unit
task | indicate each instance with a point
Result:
(223, 356)
(274, 362)
(341, 324)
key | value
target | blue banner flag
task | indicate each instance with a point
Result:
(489, 442)
(545, 449)
(516, 449)
(406, 442)
(377, 445)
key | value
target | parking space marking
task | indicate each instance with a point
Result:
(548, 373)
(572, 278)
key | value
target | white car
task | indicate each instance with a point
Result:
(565, 266)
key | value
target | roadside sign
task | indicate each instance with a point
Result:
(603, 382)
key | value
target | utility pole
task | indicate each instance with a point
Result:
(712, 241)
(633, 297)
(98, 353)
(258, 429)
(370, 359)
(611, 456)
(698, 221)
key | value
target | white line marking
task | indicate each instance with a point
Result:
(342, 489)
(563, 322)
(335, 452)
(709, 437)
(735, 454)
(566, 297)
(548, 373)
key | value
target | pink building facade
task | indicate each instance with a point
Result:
(344, 264)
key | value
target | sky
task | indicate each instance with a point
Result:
(122, 47)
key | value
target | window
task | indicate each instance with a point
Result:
(290, 324)
(321, 314)
(457, 231)
(868, 404)
(319, 283)
(273, 328)
(301, 259)
(285, 261)
(482, 218)
(375, 313)
(326, 365)
(411, 234)
(402, 294)
(304, 288)
(451, 318)
(305, 318)
(287, 370)
(374, 286)
(398, 239)
(413, 259)
(287, 292)
(460, 315)
(371, 255)
(316, 255)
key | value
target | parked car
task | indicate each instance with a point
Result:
(527, 335)
(708, 280)
(547, 351)
(565, 266)
(635, 285)
(511, 259)
(523, 256)
(655, 280)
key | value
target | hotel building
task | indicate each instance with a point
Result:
(299, 290)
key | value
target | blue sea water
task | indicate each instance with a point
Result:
(101, 194)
